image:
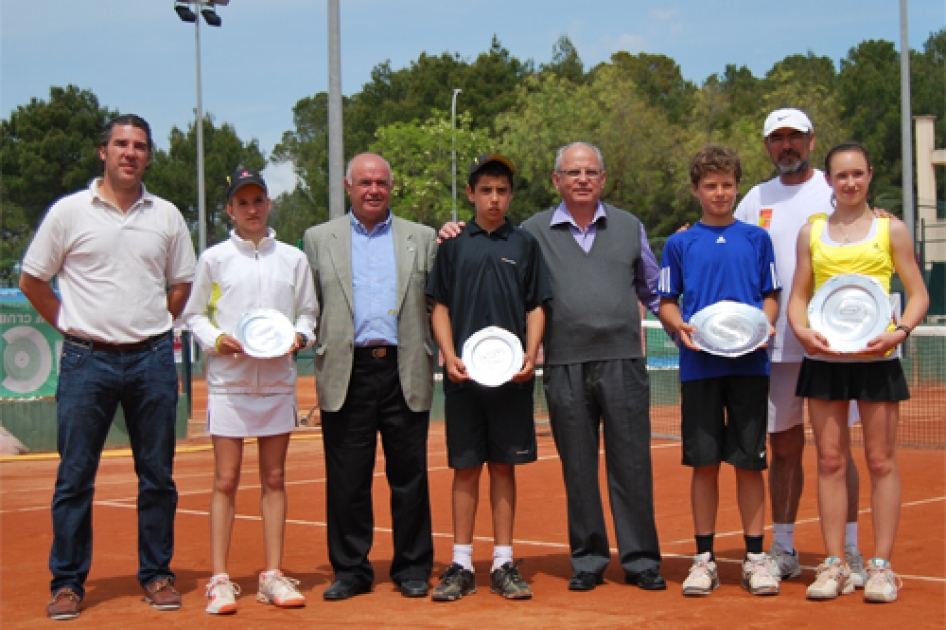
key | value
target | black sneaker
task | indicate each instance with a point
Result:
(507, 582)
(454, 584)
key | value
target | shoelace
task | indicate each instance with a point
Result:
(233, 585)
(287, 583)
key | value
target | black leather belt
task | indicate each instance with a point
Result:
(376, 352)
(118, 347)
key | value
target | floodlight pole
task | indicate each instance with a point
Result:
(201, 193)
(336, 149)
(906, 139)
(453, 127)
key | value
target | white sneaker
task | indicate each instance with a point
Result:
(756, 576)
(702, 579)
(833, 579)
(221, 595)
(882, 582)
(783, 564)
(280, 591)
(855, 562)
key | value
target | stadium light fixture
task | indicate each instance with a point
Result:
(184, 12)
(207, 9)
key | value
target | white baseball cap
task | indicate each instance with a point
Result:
(789, 118)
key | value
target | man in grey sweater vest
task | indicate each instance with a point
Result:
(595, 370)
(600, 266)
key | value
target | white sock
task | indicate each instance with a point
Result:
(850, 535)
(463, 555)
(220, 578)
(270, 573)
(784, 534)
(501, 555)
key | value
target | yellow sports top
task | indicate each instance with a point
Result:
(870, 257)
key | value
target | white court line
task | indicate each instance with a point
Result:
(380, 473)
(516, 541)
(108, 483)
(809, 521)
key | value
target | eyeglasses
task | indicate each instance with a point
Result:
(575, 173)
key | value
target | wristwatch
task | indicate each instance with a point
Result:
(905, 329)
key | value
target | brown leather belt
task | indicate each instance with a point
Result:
(101, 346)
(376, 352)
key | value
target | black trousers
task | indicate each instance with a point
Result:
(375, 402)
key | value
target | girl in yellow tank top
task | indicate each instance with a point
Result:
(869, 257)
(852, 240)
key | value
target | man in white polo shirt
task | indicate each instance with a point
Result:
(125, 262)
(782, 206)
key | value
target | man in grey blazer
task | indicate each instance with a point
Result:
(374, 361)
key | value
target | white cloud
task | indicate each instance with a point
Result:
(279, 178)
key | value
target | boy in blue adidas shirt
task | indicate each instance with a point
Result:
(724, 399)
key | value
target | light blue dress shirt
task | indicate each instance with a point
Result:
(374, 283)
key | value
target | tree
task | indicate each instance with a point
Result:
(173, 174)
(420, 156)
(49, 149)
(658, 79)
(307, 149)
(869, 92)
(565, 61)
(640, 147)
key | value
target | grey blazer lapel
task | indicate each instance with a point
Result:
(340, 251)
(405, 249)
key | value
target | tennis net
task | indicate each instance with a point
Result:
(922, 418)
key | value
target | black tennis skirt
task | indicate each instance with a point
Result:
(870, 381)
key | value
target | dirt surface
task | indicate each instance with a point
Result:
(114, 598)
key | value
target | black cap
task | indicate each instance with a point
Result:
(240, 178)
(483, 160)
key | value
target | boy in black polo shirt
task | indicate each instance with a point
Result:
(491, 275)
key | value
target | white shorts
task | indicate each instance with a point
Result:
(251, 415)
(786, 410)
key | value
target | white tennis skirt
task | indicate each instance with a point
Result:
(251, 415)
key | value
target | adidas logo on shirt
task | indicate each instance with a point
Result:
(720, 240)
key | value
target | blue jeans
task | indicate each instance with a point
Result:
(91, 385)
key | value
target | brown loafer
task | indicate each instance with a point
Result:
(162, 595)
(64, 605)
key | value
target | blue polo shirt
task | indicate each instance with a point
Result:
(708, 264)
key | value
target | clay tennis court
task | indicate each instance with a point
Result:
(114, 598)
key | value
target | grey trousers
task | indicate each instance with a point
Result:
(582, 396)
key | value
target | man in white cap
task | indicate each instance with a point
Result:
(782, 206)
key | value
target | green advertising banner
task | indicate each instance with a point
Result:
(30, 349)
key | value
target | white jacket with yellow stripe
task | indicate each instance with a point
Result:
(234, 277)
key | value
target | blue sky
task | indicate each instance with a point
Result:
(136, 56)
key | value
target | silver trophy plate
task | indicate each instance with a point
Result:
(492, 356)
(850, 310)
(265, 333)
(730, 329)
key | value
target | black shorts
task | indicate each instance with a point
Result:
(490, 424)
(725, 420)
(870, 381)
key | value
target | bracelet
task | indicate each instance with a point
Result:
(905, 329)
(217, 342)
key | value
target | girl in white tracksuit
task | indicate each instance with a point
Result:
(250, 397)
